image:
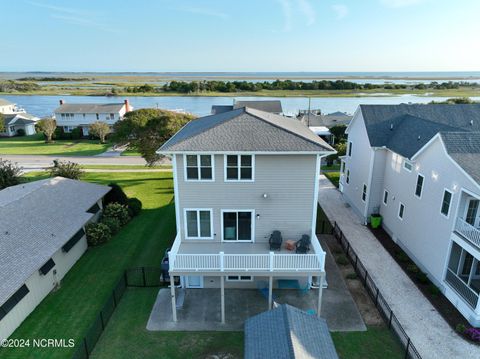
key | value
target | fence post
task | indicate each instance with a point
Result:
(86, 347)
(406, 349)
(143, 275)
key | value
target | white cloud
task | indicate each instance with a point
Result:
(287, 14)
(341, 10)
(291, 9)
(400, 3)
(307, 10)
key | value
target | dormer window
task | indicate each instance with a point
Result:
(239, 168)
(198, 167)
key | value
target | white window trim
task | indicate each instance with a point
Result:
(385, 203)
(364, 190)
(198, 223)
(252, 240)
(410, 163)
(398, 212)
(239, 279)
(423, 186)
(198, 166)
(239, 167)
(447, 216)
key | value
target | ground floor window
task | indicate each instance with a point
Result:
(237, 225)
(239, 278)
(198, 223)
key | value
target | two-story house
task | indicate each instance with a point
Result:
(418, 166)
(73, 115)
(239, 176)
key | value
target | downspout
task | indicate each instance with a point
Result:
(369, 186)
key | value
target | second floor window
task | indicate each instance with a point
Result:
(199, 167)
(349, 149)
(364, 193)
(348, 177)
(239, 167)
(447, 199)
(385, 197)
(419, 188)
(401, 211)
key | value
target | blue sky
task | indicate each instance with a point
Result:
(241, 35)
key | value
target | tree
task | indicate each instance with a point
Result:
(338, 131)
(99, 129)
(146, 130)
(9, 174)
(2, 123)
(47, 126)
(66, 169)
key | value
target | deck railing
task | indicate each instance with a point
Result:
(462, 288)
(468, 231)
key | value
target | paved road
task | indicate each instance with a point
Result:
(31, 162)
(429, 332)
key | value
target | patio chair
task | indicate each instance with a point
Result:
(275, 240)
(303, 244)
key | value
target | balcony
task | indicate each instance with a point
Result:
(188, 257)
(468, 232)
(467, 293)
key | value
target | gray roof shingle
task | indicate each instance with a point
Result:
(272, 106)
(287, 333)
(464, 148)
(36, 220)
(89, 108)
(245, 129)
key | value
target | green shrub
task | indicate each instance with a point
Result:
(66, 169)
(118, 211)
(134, 206)
(460, 328)
(412, 268)
(76, 133)
(10, 174)
(352, 276)
(422, 277)
(21, 132)
(112, 223)
(402, 257)
(116, 195)
(97, 233)
(342, 259)
(433, 289)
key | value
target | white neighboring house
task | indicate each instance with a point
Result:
(19, 121)
(238, 176)
(7, 107)
(42, 235)
(72, 115)
(419, 167)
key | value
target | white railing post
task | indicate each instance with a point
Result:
(222, 261)
(271, 261)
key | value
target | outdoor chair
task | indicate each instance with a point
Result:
(303, 244)
(275, 240)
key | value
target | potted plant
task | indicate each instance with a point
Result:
(375, 219)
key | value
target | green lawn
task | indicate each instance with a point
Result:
(126, 337)
(125, 167)
(35, 145)
(331, 168)
(334, 177)
(70, 311)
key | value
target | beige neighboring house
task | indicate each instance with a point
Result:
(238, 176)
(42, 236)
(73, 115)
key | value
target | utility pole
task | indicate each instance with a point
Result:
(308, 118)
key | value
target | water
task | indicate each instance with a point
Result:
(42, 106)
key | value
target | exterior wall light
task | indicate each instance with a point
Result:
(265, 195)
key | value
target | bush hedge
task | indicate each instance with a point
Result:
(112, 223)
(134, 206)
(116, 195)
(117, 211)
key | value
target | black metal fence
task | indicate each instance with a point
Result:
(133, 277)
(377, 297)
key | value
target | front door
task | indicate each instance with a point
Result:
(194, 281)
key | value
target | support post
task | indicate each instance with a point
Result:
(320, 290)
(172, 294)
(270, 294)
(222, 297)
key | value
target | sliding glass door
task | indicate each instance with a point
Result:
(237, 225)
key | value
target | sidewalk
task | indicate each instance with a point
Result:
(429, 332)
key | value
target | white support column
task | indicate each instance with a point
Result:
(174, 303)
(270, 294)
(320, 289)
(222, 297)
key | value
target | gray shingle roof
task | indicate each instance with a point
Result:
(89, 108)
(221, 108)
(464, 148)
(245, 129)
(287, 333)
(272, 106)
(36, 220)
(20, 119)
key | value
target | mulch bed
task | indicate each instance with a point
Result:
(446, 309)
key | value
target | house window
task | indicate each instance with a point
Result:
(348, 177)
(401, 211)
(97, 116)
(12, 128)
(364, 193)
(349, 149)
(419, 187)
(74, 240)
(385, 197)
(408, 165)
(239, 278)
(83, 115)
(62, 115)
(199, 167)
(237, 225)
(13, 300)
(198, 223)
(112, 116)
(446, 201)
(47, 266)
(239, 167)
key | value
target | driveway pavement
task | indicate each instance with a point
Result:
(429, 332)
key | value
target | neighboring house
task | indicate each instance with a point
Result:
(273, 106)
(315, 118)
(73, 115)
(7, 107)
(19, 121)
(42, 235)
(239, 176)
(288, 333)
(419, 167)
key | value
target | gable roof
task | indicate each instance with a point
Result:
(36, 220)
(89, 107)
(19, 119)
(221, 108)
(464, 148)
(286, 333)
(405, 129)
(272, 106)
(245, 129)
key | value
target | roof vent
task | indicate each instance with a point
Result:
(391, 126)
(471, 122)
(418, 138)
